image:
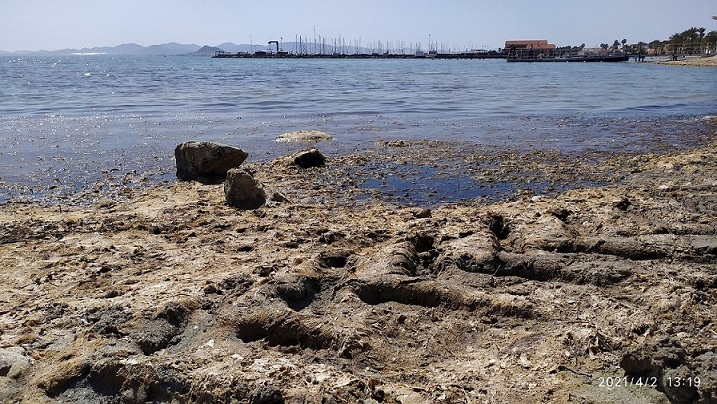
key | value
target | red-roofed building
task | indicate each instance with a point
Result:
(535, 44)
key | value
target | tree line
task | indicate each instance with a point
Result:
(688, 42)
(693, 40)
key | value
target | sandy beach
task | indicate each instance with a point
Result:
(692, 61)
(599, 294)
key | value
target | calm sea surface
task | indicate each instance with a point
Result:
(66, 122)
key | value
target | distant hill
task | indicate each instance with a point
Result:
(234, 48)
(173, 48)
(129, 49)
(206, 50)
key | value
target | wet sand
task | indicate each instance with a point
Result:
(171, 295)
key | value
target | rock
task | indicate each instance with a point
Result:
(622, 204)
(304, 136)
(708, 377)
(242, 191)
(395, 143)
(705, 245)
(267, 394)
(206, 161)
(155, 335)
(279, 197)
(13, 361)
(309, 158)
(106, 203)
(560, 213)
(422, 213)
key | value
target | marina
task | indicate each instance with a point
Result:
(514, 51)
(374, 55)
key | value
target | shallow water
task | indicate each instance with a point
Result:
(72, 123)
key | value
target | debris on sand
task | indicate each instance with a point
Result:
(173, 295)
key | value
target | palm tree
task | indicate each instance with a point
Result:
(640, 45)
(677, 40)
(692, 35)
(711, 41)
(701, 32)
(656, 46)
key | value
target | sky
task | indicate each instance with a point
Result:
(451, 24)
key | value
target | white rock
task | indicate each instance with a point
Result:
(304, 136)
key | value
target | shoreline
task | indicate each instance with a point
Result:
(419, 172)
(710, 61)
(171, 294)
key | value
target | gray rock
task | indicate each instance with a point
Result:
(155, 335)
(242, 191)
(206, 161)
(18, 369)
(13, 361)
(309, 158)
(705, 244)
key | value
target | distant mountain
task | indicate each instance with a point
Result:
(206, 51)
(173, 48)
(234, 48)
(129, 49)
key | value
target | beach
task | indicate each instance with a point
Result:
(603, 291)
(693, 61)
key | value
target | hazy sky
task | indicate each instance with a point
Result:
(457, 24)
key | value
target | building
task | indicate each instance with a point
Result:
(534, 44)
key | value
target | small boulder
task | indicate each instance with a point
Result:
(309, 158)
(206, 161)
(422, 213)
(304, 136)
(242, 191)
(13, 361)
(279, 197)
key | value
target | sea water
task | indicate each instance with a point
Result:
(68, 122)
